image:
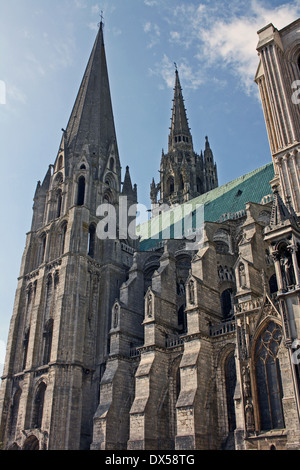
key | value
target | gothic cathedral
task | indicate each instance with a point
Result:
(158, 343)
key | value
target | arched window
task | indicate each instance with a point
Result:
(226, 304)
(48, 333)
(182, 319)
(199, 186)
(221, 246)
(107, 198)
(49, 290)
(268, 378)
(63, 237)
(111, 164)
(92, 240)
(81, 191)
(31, 443)
(38, 406)
(148, 276)
(14, 412)
(230, 382)
(58, 179)
(60, 163)
(25, 347)
(59, 203)
(42, 249)
(181, 184)
(170, 185)
(110, 180)
(273, 284)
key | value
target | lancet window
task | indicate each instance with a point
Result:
(268, 378)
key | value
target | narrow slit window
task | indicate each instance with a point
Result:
(81, 191)
(92, 238)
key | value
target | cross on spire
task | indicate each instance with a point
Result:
(102, 18)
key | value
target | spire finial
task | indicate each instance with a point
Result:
(176, 68)
(102, 18)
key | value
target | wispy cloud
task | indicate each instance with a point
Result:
(80, 4)
(232, 42)
(154, 33)
(151, 3)
(95, 9)
(165, 69)
(222, 35)
(15, 94)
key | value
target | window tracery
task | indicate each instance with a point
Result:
(268, 377)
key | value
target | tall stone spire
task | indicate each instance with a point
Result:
(184, 174)
(180, 131)
(91, 122)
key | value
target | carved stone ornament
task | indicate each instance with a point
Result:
(149, 305)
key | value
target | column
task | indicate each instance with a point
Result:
(292, 249)
(276, 259)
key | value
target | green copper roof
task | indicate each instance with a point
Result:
(225, 202)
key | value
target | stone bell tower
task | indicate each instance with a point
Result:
(183, 173)
(69, 279)
(278, 78)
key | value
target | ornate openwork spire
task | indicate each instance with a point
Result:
(180, 131)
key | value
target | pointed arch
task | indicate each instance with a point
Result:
(199, 186)
(273, 284)
(112, 163)
(42, 248)
(25, 346)
(62, 237)
(182, 321)
(31, 443)
(14, 412)
(58, 203)
(47, 336)
(49, 292)
(226, 303)
(59, 179)
(38, 406)
(60, 163)
(92, 240)
(181, 183)
(170, 185)
(81, 191)
(108, 197)
(268, 376)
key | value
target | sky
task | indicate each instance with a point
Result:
(44, 49)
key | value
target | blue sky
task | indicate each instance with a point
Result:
(44, 48)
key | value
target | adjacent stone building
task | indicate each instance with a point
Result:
(186, 336)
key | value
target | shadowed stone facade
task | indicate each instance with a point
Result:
(160, 342)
